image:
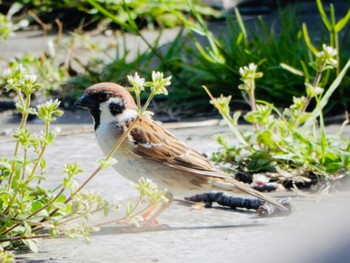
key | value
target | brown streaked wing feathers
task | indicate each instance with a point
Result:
(156, 143)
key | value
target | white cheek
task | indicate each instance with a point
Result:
(127, 115)
(107, 117)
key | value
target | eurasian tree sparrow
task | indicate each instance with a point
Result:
(150, 150)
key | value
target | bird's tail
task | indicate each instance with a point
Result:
(232, 184)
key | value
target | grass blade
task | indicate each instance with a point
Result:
(323, 102)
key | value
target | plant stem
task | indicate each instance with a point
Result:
(315, 84)
(124, 218)
(121, 139)
(227, 117)
(149, 99)
(11, 239)
(47, 205)
(10, 203)
(24, 163)
(41, 154)
(25, 105)
(252, 101)
(336, 46)
(108, 156)
(9, 229)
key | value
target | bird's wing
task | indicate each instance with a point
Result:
(154, 142)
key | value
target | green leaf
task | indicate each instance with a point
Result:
(54, 232)
(261, 161)
(31, 111)
(342, 22)
(19, 107)
(130, 208)
(308, 40)
(292, 70)
(67, 183)
(323, 15)
(50, 137)
(31, 244)
(241, 26)
(333, 167)
(323, 102)
(266, 139)
(106, 163)
(5, 166)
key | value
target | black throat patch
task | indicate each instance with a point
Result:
(96, 114)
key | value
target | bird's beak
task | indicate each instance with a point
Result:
(85, 101)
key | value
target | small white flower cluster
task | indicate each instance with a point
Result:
(248, 71)
(159, 83)
(17, 78)
(325, 58)
(14, 75)
(298, 103)
(29, 78)
(147, 188)
(248, 76)
(49, 108)
(313, 91)
(136, 82)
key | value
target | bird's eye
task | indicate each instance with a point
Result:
(103, 96)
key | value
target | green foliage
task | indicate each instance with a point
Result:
(144, 12)
(5, 27)
(278, 50)
(28, 208)
(274, 48)
(293, 138)
(6, 257)
(149, 194)
(48, 68)
(214, 59)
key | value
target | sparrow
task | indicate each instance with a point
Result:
(150, 150)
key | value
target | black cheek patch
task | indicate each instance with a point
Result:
(116, 108)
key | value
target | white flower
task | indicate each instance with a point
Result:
(248, 73)
(7, 72)
(30, 78)
(330, 51)
(156, 76)
(136, 81)
(20, 69)
(159, 83)
(251, 68)
(313, 91)
(326, 56)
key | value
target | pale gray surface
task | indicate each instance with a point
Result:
(317, 231)
(318, 227)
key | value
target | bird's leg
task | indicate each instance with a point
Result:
(148, 212)
(154, 217)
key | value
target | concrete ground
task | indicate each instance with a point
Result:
(317, 231)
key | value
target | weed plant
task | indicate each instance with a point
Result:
(277, 50)
(280, 51)
(291, 144)
(30, 211)
(149, 14)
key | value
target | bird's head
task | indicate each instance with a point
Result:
(108, 103)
